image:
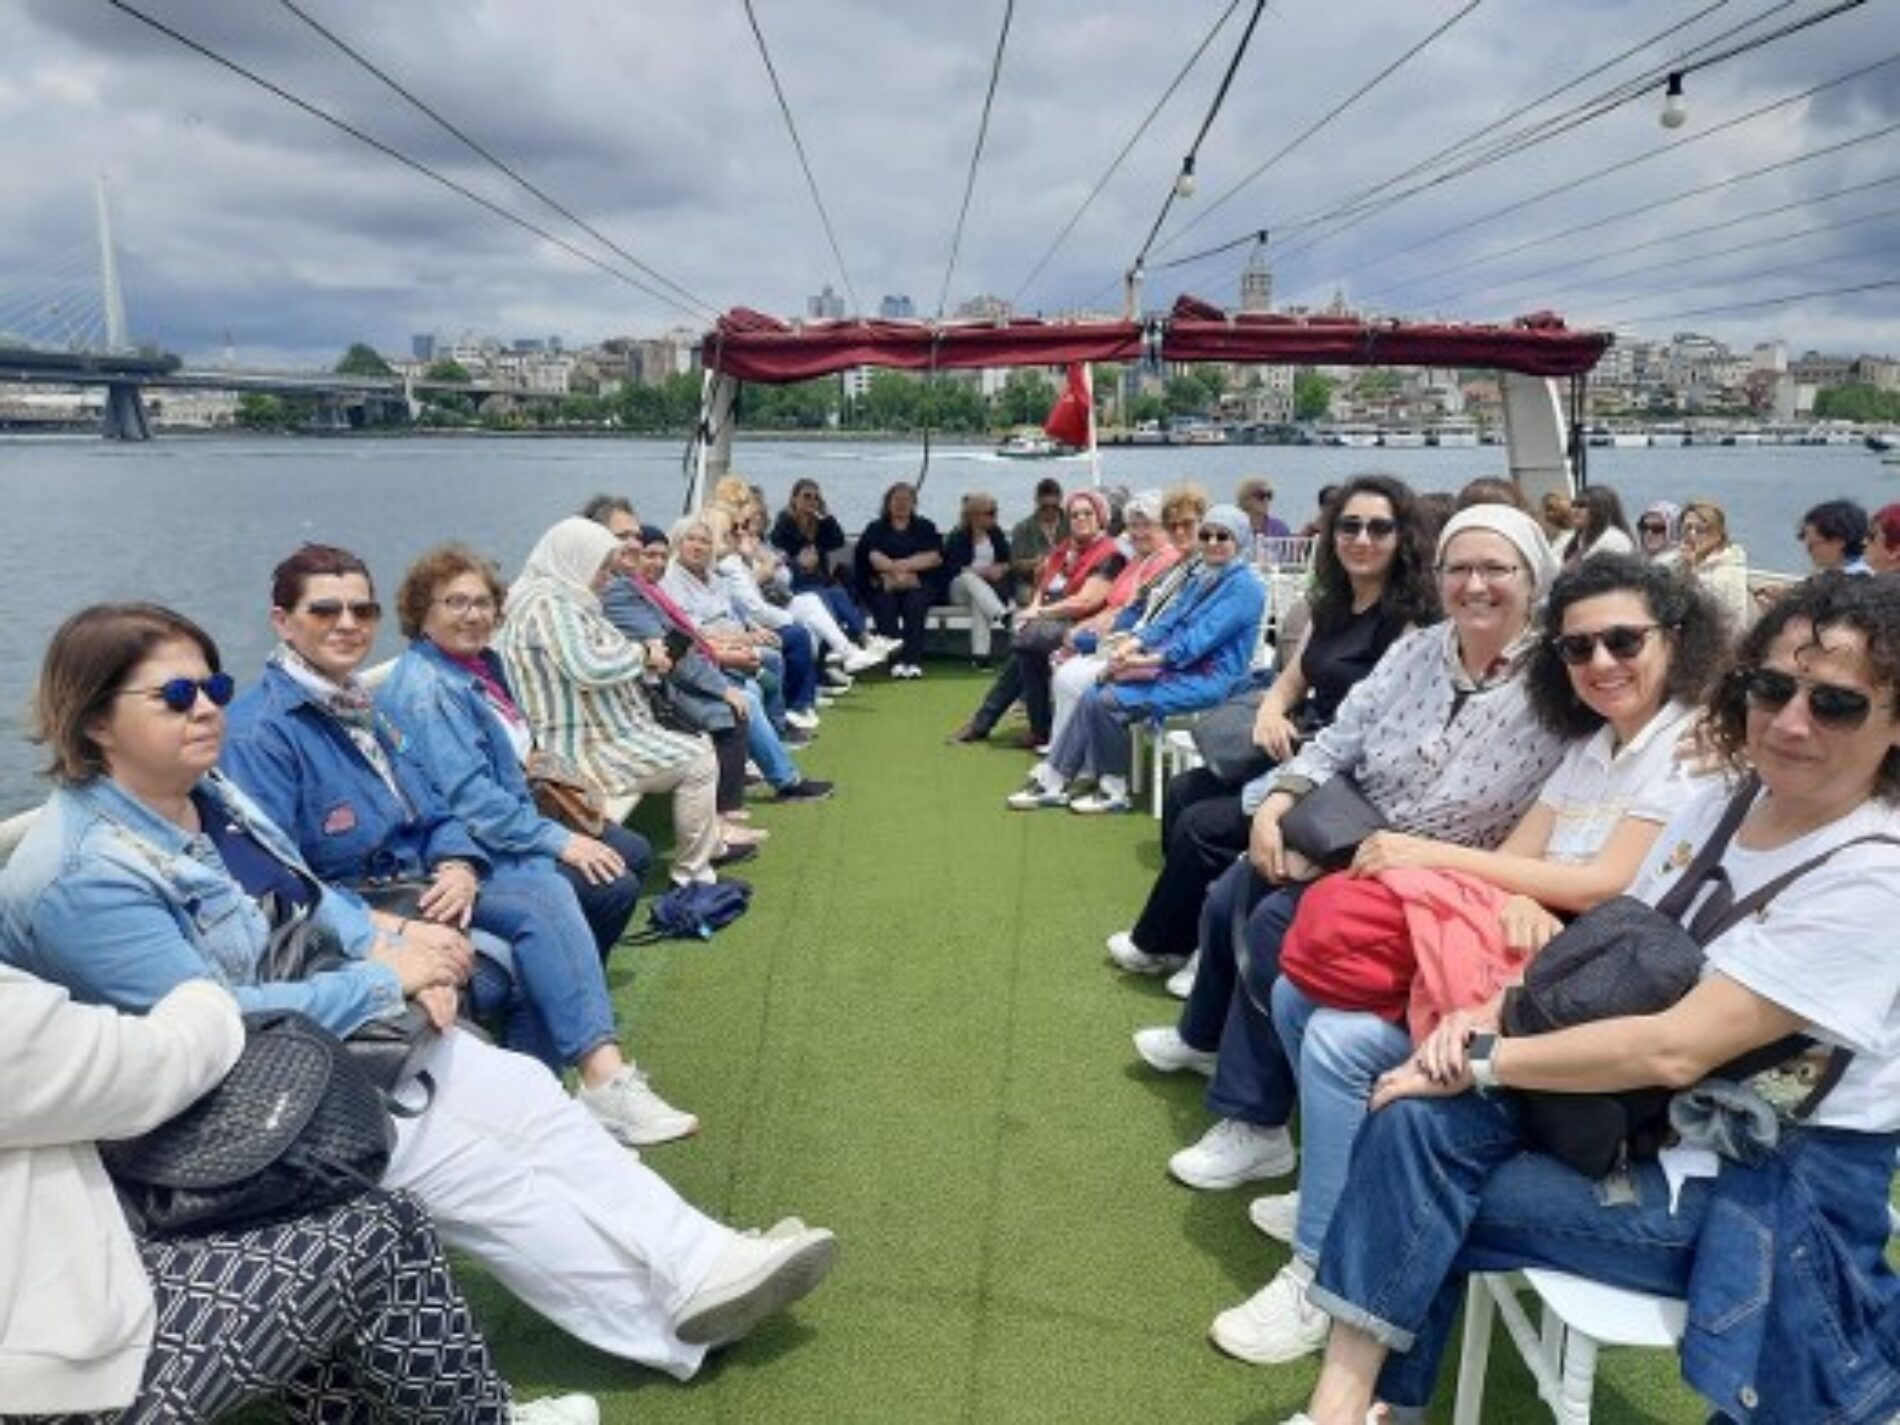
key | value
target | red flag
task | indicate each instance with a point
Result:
(1068, 419)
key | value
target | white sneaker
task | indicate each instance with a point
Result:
(555, 1410)
(1033, 796)
(882, 643)
(859, 659)
(1231, 1153)
(1100, 803)
(755, 1277)
(1276, 1214)
(1276, 1324)
(1181, 982)
(1137, 961)
(633, 1114)
(803, 721)
(1164, 1049)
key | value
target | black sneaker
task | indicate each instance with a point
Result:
(806, 790)
(733, 855)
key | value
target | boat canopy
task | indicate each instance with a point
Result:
(751, 346)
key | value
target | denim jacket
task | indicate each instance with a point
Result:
(1794, 1314)
(457, 741)
(120, 906)
(299, 764)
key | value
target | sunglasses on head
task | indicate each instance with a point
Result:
(181, 694)
(1621, 641)
(1837, 708)
(330, 610)
(1352, 527)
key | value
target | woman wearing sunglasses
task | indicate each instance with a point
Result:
(150, 869)
(1658, 532)
(1190, 656)
(1372, 582)
(1793, 1312)
(1627, 654)
(1720, 566)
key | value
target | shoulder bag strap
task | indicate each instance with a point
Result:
(1707, 860)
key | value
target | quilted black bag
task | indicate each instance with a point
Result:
(294, 1128)
(1328, 823)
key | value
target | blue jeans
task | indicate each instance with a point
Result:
(559, 1011)
(609, 906)
(1439, 1188)
(843, 608)
(1337, 1054)
(800, 652)
(1252, 1079)
(762, 743)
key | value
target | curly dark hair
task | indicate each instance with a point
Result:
(434, 569)
(1832, 600)
(1698, 638)
(1410, 596)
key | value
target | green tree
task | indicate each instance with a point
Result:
(1147, 408)
(1312, 395)
(362, 360)
(1186, 396)
(442, 369)
(259, 412)
(1857, 401)
(1025, 399)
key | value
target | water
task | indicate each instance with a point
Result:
(199, 523)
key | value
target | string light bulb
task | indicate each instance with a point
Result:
(1184, 183)
(1674, 112)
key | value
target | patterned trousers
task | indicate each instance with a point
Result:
(349, 1315)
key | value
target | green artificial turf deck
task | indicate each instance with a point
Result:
(914, 1039)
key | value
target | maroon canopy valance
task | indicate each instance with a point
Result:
(751, 346)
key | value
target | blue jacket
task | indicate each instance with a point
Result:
(300, 766)
(1206, 638)
(121, 906)
(456, 740)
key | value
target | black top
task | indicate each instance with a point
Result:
(882, 537)
(959, 547)
(1334, 661)
(250, 865)
(791, 541)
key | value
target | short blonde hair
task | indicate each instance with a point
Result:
(1184, 501)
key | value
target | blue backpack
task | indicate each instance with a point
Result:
(694, 911)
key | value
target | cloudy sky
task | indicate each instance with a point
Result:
(240, 218)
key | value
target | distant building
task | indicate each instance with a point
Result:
(897, 308)
(827, 306)
(422, 346)
(1256, 282)
(984, 308)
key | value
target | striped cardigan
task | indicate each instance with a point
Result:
(577, 680)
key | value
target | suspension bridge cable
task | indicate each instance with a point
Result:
(798, 147)
(1781, 301)
(1100, 183)
(413, 164)
(1320, 123)
(976, 156)
(1621, 166)
(493, 160)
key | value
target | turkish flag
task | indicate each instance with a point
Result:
(1068, 419)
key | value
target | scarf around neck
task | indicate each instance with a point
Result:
(349, 703)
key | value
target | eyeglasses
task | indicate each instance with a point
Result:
(1215, 535)
(1350, 527)
(1652, 527)
(460, 604)
(181, 694)
(1621, 641)
(1077, 511)
(1835, 708)
(330, 610)
(1483, 573)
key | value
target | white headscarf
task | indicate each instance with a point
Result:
(1147, 504)
(565, 563)
(1516, 526)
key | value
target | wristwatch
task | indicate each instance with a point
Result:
(1478, 1052)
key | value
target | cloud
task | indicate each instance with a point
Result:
(237, 213)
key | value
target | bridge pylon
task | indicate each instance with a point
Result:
(124, 413)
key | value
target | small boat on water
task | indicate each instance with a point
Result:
(1402, 438)
(1030, 445)
(1458, 433)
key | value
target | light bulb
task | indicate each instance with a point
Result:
(1674, 112)
(1184, 184)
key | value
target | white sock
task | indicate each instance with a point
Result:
(1047, 777)
(1113, 787)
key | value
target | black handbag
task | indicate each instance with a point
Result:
(1040, 635)
(1328, 823)
(294, 1128)
(1224, 738)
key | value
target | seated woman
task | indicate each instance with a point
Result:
(1442, 740)
(347, 1313)
(583, 688)
(1793, 1310)
(1659, 532)
(815, 607)
(1601, 527)
(1071, 585)
(1162, 559)
(360, 794)
(1372, 581)
(1191, 656)
(897, 560)
(450, 693)
(143, 872)
(1883, 539)
(734, 572)
(976, 572)
(809, 538)
(1628, 653)
(1719, 565)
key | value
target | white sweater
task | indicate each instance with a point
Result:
(76, 1311)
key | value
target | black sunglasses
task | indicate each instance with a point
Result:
(1216, 535)
(1653, 527)
(330, 610)
(1352, 526)
(1839, 709)
(181, 694)
(1622, 641)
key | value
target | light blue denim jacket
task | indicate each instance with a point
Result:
(120, 906)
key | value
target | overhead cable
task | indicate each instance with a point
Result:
(804, 163)
(484, 153)
(1782, 301)
(1127, 148)
(413, 164)
(976, 156)
(1644, 293)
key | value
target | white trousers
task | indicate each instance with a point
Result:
(975, 593)
(520, 1177)
(1073, 677)
(812, 611)
(694, 784)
